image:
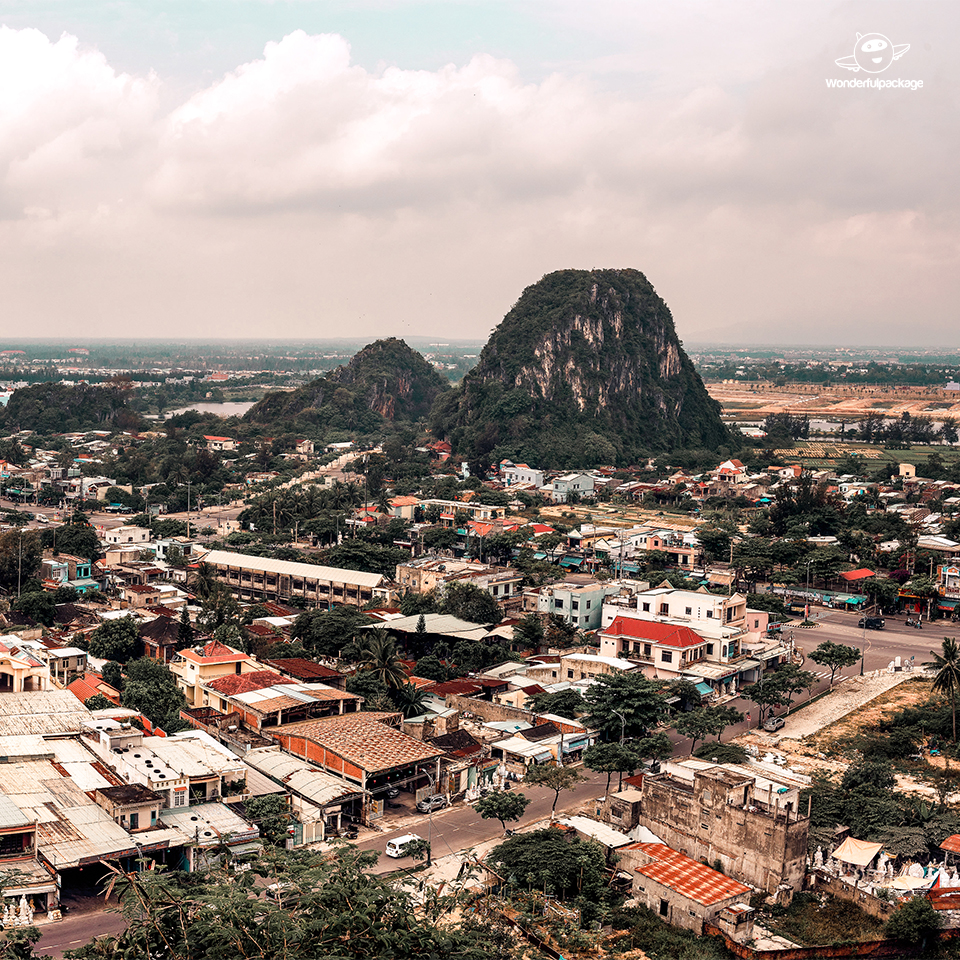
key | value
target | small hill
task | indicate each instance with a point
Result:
(385, 381)
(49, 408)
(586, 368)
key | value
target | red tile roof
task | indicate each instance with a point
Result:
(303, 669)
(235, 683)
(861, 574)
(951, 844)
(214, 652)
(666, 634)
(695, 881)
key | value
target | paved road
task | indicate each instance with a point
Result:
(74, 931)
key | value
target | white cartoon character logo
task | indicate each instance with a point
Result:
(873, 53)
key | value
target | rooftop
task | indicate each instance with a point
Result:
(666, 634)
(693, 880)
(309, 571)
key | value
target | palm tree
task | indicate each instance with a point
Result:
(411, 700)
(383, 658)
(203, 581)
(947, 680)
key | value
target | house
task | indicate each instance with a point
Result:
(198, 665)
(578, 603)
(712, 616)
(307, 671)
(131, 805)
(365, 749)
(219, 444)
(256, 579)
(161, 637)
(403, 507)
(21, 668)
(305, 448)
(730, 472)
(683, 892)
(126, 534)
(744, 817)
(579, 484)
(91, 684)
(319, 799)
(140, 595)
(519, 473)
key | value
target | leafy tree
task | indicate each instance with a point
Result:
(836, 656)
(327, 632)
(947, 679)
(566, 703)
(271, 813)
(550, 859)
(116, 640)
(410, 700)
(765, 694)
(609, 758)
(872, 774)
(367, 557)
(791, 680)
(623, 705)
(39, 606)
(20, 556)
(98, 702)
(554, 778)
(152, 689)
(470, 603)
(697, 725)
(65, 594)
(185, 631)
(367, 684)
(529, 633)
(431, 667)
(723, 717)
(412, 603)
(112, 674)
(502, 805)
(77, 538)
(882, 591)
(914, 923)
(722, 752)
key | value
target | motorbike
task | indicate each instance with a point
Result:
(917, 624)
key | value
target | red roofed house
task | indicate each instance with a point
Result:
(686, 893)
(220, 443)
(731, 471)
(89, 685)
(663, 650)
(199, 665)
(403, 507)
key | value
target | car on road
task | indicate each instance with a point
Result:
(773, 724)
(871, 623)
(400, 846)
(429, 804)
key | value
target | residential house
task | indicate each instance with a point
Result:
(140, 595)
(579, 602)
(580, 666)
(307, 671)
(198, 665)
(126, 534)
(578, 484)
(686, 893)
(220, 444)
(520, 473)
(305, 449)
(403, 507)
(21, 668)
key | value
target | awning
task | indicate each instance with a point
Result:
(29, 891)
(704, 689)
(857, 852)
(947, 604)
(539, 556)
(571, 561)
(749, 665)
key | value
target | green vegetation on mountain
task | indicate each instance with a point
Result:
(59, 408)
(386, 382)
(586, 368)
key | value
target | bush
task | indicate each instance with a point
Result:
(722, 752)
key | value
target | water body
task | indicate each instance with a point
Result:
(228, 409)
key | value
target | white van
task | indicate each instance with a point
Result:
(41, 518)
(397, 847)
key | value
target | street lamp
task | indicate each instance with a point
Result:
(623, 725)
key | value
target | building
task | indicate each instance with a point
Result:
(580, 604)
(745, 819)
(364, 749)
(196, 666)
(520, 473)
(579, 666)
(256, 579)
(579, 484)
(126, 534)
(712, 616)
(403, 507)
(21, 668)
(683, 892)
(219, 444)
(437, 573)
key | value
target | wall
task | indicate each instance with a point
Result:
(490, 712)
(876, 907)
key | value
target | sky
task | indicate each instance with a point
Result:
(322, 168)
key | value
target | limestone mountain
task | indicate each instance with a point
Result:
(586, 368)
(385, 381)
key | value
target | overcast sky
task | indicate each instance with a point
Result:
(314, 168)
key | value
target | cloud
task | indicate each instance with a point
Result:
(302, 192)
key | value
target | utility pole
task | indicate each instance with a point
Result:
(188, 509)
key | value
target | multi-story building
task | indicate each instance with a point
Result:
(262, 578)
(579, 603)
(514, 473)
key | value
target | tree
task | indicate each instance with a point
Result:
(697, 725)
(98, 702)
(112, 674)
(914, 923)
(20, 556)
(836, 656)
(503, 806)
(152, 689)
(765, 693)
(566, 703)
(380, 655)
(623, 705)
(609, 758)
(469, 602)
(39, 606)
(116, 640)
(528, 633)
(431, 667)
(65, 594)
(882, 591)
(271, 813)
(328, 631)
(412, 603)
(185, 631)
(554, 778)
(947, 679)
(410, 700)
(723, 717)
(791, 680)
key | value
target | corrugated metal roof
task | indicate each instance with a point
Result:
(208, 823)
(11, 815)
(291, 568)
(437, 623)
(40, 712)
(300, 777)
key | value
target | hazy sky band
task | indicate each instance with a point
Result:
(234, 167)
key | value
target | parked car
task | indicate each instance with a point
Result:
(871, 623)
(400, 846)
(436, 802)
(773, 724)
(392, 793)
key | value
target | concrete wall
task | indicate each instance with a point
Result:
(487, 711)
(876, 907)
(759, 848)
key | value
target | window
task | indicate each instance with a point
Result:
(646, 608)
(134, 821)
(667, 656)
(588, 604)
(709, 649)
(664, 610)
(558, 604)
(709, 614)
(646, 649)
(569, 674)
(664, 908)
(153, 818)
(180, 797)
(688, 610)
(575, 605)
